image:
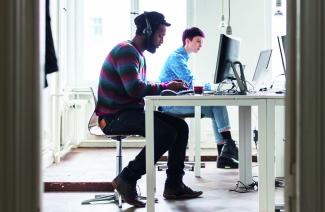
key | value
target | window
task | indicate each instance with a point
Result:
(102, 24)
(175, 13)
(94, 27)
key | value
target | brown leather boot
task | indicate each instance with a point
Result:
(128, 192)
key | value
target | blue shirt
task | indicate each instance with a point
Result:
(176, 67)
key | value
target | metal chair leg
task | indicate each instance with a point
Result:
(116, 197)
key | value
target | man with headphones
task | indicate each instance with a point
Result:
(120, 108)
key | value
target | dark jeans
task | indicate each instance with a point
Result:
(170, 134)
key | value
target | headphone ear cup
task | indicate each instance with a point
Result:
(147, 31)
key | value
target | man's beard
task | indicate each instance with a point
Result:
(150, 46)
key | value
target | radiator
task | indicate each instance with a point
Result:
(74, 121)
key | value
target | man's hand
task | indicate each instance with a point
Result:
(177, 85)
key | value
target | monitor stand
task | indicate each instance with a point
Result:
(241, 81)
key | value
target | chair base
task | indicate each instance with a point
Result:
(112, 198)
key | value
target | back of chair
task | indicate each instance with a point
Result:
(93, 126)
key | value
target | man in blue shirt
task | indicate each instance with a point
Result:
(176, 67)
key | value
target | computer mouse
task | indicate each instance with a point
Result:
(168, 92)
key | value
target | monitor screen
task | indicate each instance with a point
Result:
(262, 64)
(228, 53)
(284, 44)
(283, 50)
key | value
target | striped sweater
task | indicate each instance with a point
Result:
(122, 81)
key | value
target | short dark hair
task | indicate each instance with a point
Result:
(190, 33)
(155, 19)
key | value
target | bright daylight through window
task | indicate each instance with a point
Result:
(103, 24)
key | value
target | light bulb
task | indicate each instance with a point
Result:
(228, 30)
(222, 22)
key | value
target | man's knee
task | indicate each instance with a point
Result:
(182, 126)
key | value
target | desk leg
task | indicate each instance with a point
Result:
(266, 156)
(150, 168)
(245, 146)
(197, 137)
(270, 161)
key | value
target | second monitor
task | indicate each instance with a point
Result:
(227, 62)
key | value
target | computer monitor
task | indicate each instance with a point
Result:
(227, 61)
(262, 64)
(282, 41)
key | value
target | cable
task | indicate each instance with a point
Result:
(275, 79)
(243, 188)
(253, 88)
(255, 138)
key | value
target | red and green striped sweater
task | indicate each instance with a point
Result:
(122, 81)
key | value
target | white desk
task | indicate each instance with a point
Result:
(266, 108)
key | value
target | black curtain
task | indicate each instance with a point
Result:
(51, 62)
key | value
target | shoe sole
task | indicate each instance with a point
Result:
(226, 163)
(185, 196)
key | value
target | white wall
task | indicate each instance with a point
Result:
(251, 21)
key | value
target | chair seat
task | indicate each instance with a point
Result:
(97, 131)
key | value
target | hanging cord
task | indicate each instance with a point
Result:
(222, 14)
(229, 12)
(228, 30)
(222, 8)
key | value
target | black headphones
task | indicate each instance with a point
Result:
(147, 31)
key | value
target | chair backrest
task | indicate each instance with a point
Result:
(93, 126)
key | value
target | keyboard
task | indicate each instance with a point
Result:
(185, 92)
(168, 92)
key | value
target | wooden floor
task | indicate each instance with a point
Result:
(98, 165)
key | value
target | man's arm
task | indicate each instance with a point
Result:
(180, 69)
(128, 68)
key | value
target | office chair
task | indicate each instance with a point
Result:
(95, 129)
